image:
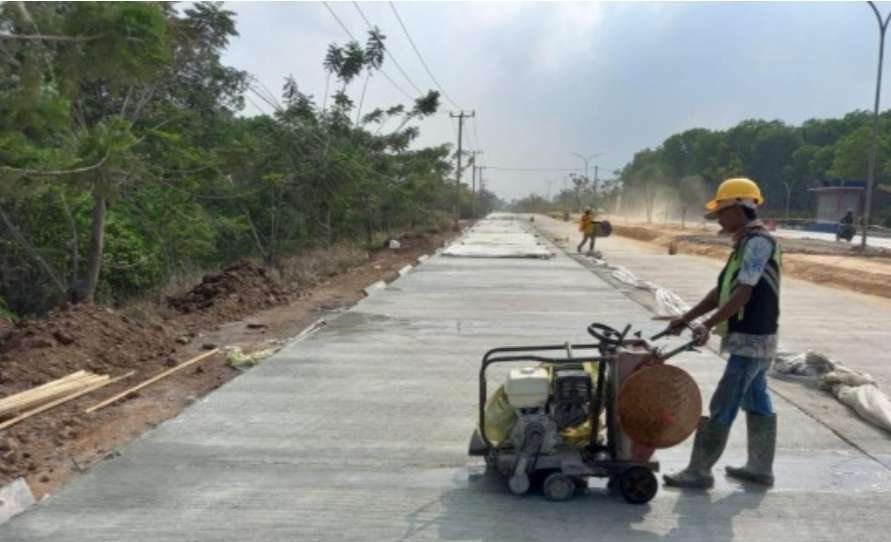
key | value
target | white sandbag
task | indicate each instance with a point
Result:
(870, 403)
(853, 388)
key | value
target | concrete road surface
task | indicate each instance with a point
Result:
(360, 431)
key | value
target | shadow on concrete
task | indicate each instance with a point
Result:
(485, 510)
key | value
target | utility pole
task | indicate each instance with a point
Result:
(473, 185)
(585, 159)
(478, 192)
(460, 116)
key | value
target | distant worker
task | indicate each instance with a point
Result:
(746, 313)
(586, 226)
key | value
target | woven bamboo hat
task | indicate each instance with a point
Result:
(660, 406)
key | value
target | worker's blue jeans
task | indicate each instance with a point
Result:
(744, 384)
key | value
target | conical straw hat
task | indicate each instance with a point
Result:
(660, 406)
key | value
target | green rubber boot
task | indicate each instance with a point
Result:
(762, 436)
(708, 445)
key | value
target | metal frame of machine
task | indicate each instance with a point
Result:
(567, 468)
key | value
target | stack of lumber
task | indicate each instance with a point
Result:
(35, 397)
(21, 406)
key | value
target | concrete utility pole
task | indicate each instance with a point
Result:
(473, 185)
(460, 116)
(871, 173)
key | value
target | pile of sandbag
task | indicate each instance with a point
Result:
(853, 388)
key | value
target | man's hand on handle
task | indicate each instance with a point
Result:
(677, 326)
(701, 332)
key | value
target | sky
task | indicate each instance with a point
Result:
(547, 80)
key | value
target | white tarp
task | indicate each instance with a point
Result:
(853, 388)
(498, 238)
(668, 303)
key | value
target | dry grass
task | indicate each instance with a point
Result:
(312, 265)
(152, 305)
(302, 270)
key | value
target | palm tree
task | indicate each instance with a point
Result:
(333, 63)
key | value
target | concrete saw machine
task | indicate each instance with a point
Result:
(563, 388)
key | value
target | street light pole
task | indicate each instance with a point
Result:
(870, 176)
(585, 160)
(788, 198)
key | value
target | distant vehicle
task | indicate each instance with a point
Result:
(846, 232)
(846, 228)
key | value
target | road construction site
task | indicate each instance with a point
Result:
(359, 431)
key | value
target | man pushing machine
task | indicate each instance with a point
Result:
(745, 302)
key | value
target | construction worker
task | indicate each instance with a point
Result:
(586, 226)
(746, 312)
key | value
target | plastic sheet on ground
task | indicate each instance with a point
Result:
(853, 388)
(668, 303)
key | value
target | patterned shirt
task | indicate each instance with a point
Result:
(756, 254)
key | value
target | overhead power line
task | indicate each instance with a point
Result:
(533, 170)
(420, 57)
(389, 54)
(352, 37)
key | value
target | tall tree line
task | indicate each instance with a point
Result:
(123, 159)
(689, 165)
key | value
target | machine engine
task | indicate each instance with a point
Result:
(571, 404)
(547, 402)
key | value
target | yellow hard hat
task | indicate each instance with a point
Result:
(736, 191)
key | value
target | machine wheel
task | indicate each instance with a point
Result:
(558, 487)
(638, 485)
(518, 484)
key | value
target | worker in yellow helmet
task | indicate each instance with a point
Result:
(744, 309)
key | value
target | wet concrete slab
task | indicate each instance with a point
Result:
(359, 432)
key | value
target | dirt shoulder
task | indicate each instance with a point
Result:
(822, 262)
(243, 306)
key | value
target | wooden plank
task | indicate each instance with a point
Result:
(17, 404)
(150, 381)
(44, 387)
(43, 391)
(63, 400)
